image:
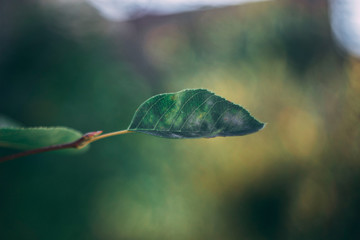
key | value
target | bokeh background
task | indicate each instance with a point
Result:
(289, 62)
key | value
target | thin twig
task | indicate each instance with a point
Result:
(80, 143)
(38, 150)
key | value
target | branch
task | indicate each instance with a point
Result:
(80, 143)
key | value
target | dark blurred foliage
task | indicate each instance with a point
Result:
(63, 65)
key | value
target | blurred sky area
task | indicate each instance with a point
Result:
(88, 65)
(345, 20)
(344, 14)
(121, 10)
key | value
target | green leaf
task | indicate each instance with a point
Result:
(29, 138)
(192, 113)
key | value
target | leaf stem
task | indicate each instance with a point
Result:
(108, 135)
(79, 143)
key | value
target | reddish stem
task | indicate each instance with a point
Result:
(80, 143)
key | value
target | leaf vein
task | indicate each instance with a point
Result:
(195, 110)
(219, 119)
(148, 111)
(178, 113)
(222, 100)
(164, 114)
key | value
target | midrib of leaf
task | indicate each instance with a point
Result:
(177, 114)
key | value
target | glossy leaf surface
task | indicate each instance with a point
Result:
(29, 138)
(192, 113)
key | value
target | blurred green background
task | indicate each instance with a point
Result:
(299, 178)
